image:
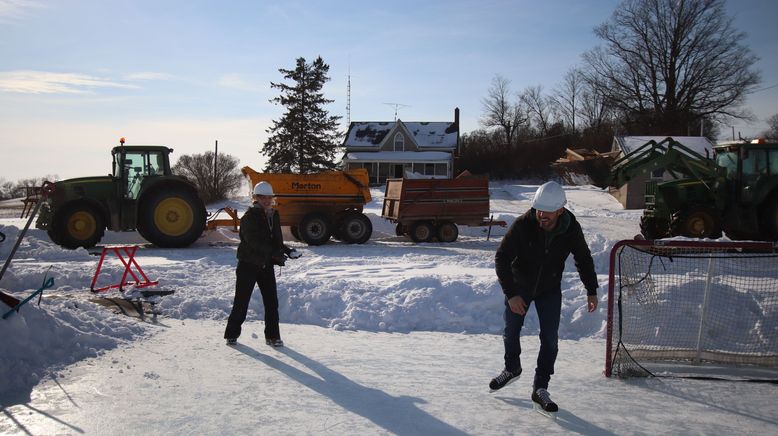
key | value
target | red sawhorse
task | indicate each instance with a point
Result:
(138, 294)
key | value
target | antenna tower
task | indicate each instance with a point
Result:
(348, 98)
(397, 106)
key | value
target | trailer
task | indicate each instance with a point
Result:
(425, 209)
(320, 205)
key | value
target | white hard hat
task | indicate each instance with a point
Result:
(550, 197)
(263, 188)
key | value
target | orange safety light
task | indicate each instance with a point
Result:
(121, 140)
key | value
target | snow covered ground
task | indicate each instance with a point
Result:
(385, 337)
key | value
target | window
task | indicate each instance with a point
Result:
(134, 164)
(657, 174)
(728, 160)
(773, 162)
(755, 163)
(429, 169)
(441, 169)
(399, 142)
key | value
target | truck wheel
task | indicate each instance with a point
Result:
(171, 217)
(447, 232)
(295, 233)
(421, 231)
(355, 228)
(315, 229)
(696, 223)
(77, 225)
(770, 219)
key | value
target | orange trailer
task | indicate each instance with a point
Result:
(319, 205)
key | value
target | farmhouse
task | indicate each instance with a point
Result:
(390, 149)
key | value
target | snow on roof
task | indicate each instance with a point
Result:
(700, 144)
(398, 156)
(441, 134)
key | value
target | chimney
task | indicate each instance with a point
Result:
(456, 116)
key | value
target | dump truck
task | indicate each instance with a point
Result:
(427, 209)
(140, 194)
(321, 205)
(735, 191)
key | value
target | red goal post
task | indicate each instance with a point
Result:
(687, 308)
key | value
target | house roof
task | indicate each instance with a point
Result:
(398, 156)
(700, 144)
(371, 134)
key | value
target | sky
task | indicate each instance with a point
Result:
(385, 337)
(76, 75)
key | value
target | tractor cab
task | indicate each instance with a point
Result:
(133, 164)
(751, 167)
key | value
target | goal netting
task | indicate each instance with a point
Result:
(683, 308)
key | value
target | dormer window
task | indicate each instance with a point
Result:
(399, 142)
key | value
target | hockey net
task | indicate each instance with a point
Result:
(681, 308)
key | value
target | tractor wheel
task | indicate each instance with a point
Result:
(399, 230)
(696, 222)
(447, 232)
(295, 233)
(77, 225)
(649, 228)
(171, 217)
(769, 218)
(315, 229)
(355, 228)
(421, 231)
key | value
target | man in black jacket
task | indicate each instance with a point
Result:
(529, 263)
(261, 246)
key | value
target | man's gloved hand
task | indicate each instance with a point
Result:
(293, 254)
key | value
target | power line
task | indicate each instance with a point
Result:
(763, 89)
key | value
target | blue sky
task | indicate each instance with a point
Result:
(75, 75)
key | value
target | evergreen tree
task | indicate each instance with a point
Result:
(305, 139)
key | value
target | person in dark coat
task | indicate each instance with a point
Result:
(261, 246)
(529, 262)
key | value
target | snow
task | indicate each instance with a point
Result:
(438, 135)
(384, 337)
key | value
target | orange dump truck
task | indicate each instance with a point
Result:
(319, 205)
(432, 208)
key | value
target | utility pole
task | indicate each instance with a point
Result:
(215, 157)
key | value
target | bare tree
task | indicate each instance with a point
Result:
(198, 168)
(567, 98)
(671, 62)
(501, 111)
(772, 131)
(595, 112)
(539, 107)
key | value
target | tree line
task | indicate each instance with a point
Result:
(664, 67)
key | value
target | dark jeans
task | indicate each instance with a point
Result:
(249, 275)
(548, 308)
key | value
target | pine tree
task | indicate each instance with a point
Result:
(305, 139)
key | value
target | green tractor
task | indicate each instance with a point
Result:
(141, 194)
(735, 192)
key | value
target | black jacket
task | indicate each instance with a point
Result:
(258, 243)
(530, 261)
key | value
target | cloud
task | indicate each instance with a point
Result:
(17, 9)
(148, 75)
(239, 82)
(42, 82)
